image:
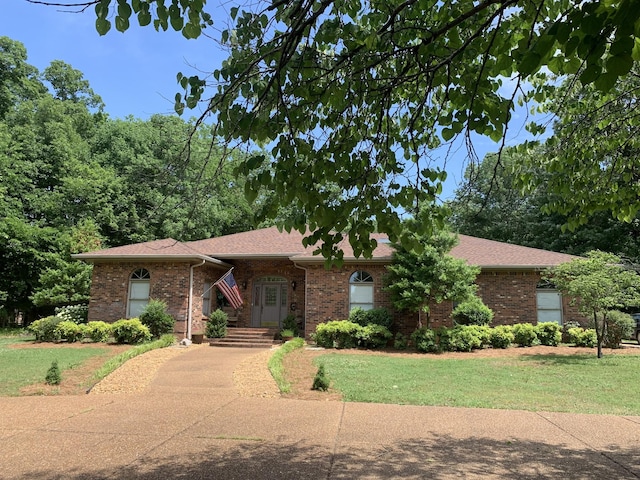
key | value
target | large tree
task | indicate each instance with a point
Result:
(427, 275)
(598, 284)
(490, 204)
(358, 94)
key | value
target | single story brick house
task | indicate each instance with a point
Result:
(276, 276)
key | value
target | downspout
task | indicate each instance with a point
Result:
(190, 315)
(305, 295)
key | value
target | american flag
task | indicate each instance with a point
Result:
(229, 288)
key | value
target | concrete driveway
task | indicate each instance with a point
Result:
(190, 423)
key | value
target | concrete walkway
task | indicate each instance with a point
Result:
(189, 423)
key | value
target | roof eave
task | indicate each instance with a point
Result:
(164, 258)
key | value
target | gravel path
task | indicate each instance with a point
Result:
(251, 378)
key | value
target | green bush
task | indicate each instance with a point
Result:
(375, 316)
(524, 334)
(45, 329)
(53, 376)
(70, 331)
(320, 381)
(462, 338)
(155, 317)
(424, 339)
(400, 341)
(472, 312)
(73, 313)
(501, 336)
(549, 333)
(619, 326)
(99, 331)
(581, 337)
(483, 332)
(217, 324)
(337, 334)
(130, 331)
(373, 336)
(290, 323)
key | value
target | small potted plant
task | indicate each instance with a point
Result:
(197, 337)
(287, 334)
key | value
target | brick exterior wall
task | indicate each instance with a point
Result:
(324, 296)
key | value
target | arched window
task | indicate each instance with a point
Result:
(139, 284)
(360, 290)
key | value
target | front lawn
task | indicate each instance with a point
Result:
(573, 383)
(24, 365)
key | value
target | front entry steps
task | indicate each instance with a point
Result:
(247, 338)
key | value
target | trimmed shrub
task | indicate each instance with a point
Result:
(73, 313)
(373, 336)
(549, 333)
(320, 381)
(524, 334)
(155, 317)
(581, 337)
(45, 329)
(483, 332)
(70, 331)
(337, 334)
(400, 342)
(217, 324)
(290, 323)
(565, 330)
(99, 331)
(619, 326)
(53, 376)
(462, 338)
(130, 331)
(472, 312)
(424, 339)
(501, 336)
(375, 316)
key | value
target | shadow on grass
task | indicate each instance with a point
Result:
(550, 359)
(431, 457)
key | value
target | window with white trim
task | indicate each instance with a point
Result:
(360, 290)
(549, 305)
(139, 288)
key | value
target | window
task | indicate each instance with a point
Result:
(139, 284)
(360, 291)
(549, 303)
(206, 299)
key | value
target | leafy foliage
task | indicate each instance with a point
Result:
(524, 334)
(501, 336)
(321, 381)
(53, 376)
(69, 331)
(416, 279)
(45, 329)
(549, 333)
(472, 312)
(583, 337)
(217, 324)
(155, 317)
(620, 325)
(130, 331)
(374, 316)
(99, 331)
(337, 334)
(598, 284)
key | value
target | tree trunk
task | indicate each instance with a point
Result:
(599, 334)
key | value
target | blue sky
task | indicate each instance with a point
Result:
(135, 72)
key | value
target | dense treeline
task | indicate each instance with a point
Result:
(73, 180)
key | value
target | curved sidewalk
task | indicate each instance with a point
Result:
(190, 423)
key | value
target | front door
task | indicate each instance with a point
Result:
(269, 304)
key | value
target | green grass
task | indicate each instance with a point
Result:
(24, 366)
(580, 383)
(275, 363)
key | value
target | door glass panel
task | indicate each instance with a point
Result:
(270, 296)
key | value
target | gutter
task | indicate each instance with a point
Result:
(189, 314)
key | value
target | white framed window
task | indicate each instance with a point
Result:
(139, 288)
(549, 305)
(361, 290)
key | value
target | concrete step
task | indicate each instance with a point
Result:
(247, 338)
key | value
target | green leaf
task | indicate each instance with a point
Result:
(191, 31)
(620, 65)
(606, 81)
(447, 134)
(103, 26)
(530, 63)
